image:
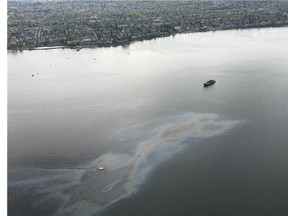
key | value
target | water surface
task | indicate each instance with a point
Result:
(167, 145)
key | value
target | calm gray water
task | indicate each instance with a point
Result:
(167, 145)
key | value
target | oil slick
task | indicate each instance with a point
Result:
(121, 175)
(112, 177)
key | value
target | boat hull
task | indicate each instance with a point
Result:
(208, 83)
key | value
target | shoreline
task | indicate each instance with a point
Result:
(126, 43)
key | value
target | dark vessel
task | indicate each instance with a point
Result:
(208, 83)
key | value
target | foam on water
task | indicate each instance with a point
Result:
(123, 174)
